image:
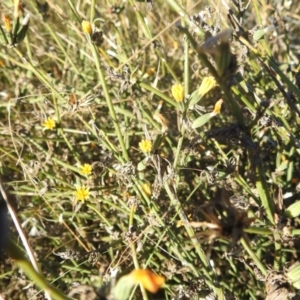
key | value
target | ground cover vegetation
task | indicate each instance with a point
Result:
(149, 149)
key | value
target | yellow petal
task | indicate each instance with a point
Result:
(150, 281)
(146, 146)
(82, 193)
(86, 27)
(86, 169)
(151, 71)
(178, 92)
(217, 107)
(7, 23)
(179, 223)
(17, 9)
(207, 84)
(146, 187)
(49, 124)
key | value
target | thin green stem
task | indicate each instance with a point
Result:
(264, 194)
(108, 99)
(194, 240)
(62, 48)
(40, 281)
(157, 93)
(74, 10)
(259, 264)
(235, 109)
(92, 14)
(183, 13)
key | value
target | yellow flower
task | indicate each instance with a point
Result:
(82, 193)
(86, 169)
(145, 145)
(217, 107)
(18, 8)
(151, 71)
(146, 187)
(207, 84)
(179, 223)
(7, 23)
(178, 92)
(93, 145)
(86, 27)
(49, 124)
(147, 279)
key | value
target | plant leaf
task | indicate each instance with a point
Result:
(293, 210)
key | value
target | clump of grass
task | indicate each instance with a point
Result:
(144, 135)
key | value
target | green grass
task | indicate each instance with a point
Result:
(222, 217)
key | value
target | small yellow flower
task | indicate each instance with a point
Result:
(179, 223)
(207, 84)
(93, 145)
(18, 8)
(146, 187)
(217, 107)
(151, 71)
(147, 279)
(125, 195)
(86, 27)
(175, 45)
(178, 92)
(86, 169)
(7, 23)
(82, 193)
(146, 146)
(49, 124)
